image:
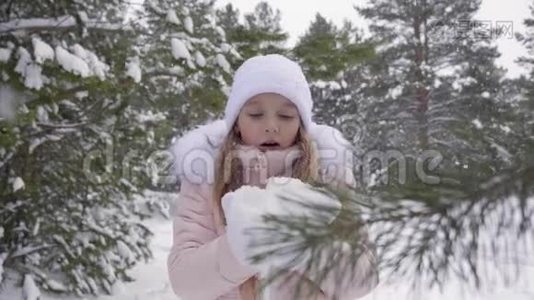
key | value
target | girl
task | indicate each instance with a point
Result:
(268, 120)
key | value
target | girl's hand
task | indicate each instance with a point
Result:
(246, 208)
(258, 166)
(242, 209)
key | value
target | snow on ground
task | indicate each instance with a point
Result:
(152, 281)
(454, 290)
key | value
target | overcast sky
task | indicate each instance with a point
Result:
(296, 16)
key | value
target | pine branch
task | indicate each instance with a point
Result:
(415, 233)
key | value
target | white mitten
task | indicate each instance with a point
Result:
(243, 210)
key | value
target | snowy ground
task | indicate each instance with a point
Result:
(152, 281)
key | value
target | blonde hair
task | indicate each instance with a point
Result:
(229, 170)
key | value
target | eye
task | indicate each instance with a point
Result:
(286, 117)
(255, 116)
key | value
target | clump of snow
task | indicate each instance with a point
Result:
(42, 50)
(179, 50)
(29, 70)
(24, 60)
(220, 31)
(502, 152)
(42, 114)
(18, 184)
(33, 78)
(97, 67)
(107, 269)
(29, 288)
(437, 83)
(200, 59)
(485, 95)
(456, 85)
(80, 95)
(505, 128)
(72, 63)
(320, 84)
(172, 17)
(5, 54)
(56, 286)
(125, 252)
(223, 63)
(133, 69)
(55, 108)
(225, 47)
(191, 64)
(395, 92)
(477, 123)
(24, 109)
(188, 24)
(83, 16)
(334, 85)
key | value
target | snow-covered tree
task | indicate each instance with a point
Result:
(88, 94)
(186, 60)
(66, 221)
(182, 66)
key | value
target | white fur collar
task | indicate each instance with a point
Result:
(195, 153)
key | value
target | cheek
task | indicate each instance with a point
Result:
(290, 133)
(250, 131)
(249, 135)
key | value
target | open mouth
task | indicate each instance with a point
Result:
(269, 146)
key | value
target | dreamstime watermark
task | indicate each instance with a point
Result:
(430, 158)
(166, 167)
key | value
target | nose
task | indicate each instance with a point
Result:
(272, 126)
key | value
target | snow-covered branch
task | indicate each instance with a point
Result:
(63, 22)
(173, 72)
(73, 125)
(27, 250)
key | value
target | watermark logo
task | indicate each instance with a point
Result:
(337, 163)
(471, 29)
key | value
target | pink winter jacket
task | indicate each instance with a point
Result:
(201, 265)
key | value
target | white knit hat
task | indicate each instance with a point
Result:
(271, 73)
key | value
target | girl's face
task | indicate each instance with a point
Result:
(268, 121)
